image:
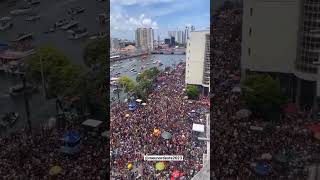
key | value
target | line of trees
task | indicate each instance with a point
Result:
(144, 83)
(64, 78)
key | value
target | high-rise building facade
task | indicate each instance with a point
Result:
(178, 35)
(115, 43)
(282, 38)
(145, 38)
(198, 60)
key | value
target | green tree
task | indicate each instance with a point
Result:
(61, 77)
(143, 88)
(126, 83)
(95, 52)
(93, 83)
(192, 92)
(94, 94)
(263, 96)
(149, 74)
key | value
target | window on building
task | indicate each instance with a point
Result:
(249, 51)
(251, 11)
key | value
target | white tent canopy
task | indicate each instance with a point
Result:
(198, 127)
(92, 123)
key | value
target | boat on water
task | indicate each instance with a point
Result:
(61, 22)
(113, 83)
(70, 25)
(76, 10)
(9, 119)
(33, 18)
(23, 36)
(5, 23)
(99, 35)
(79, 33)
(50, 30)
(21, 11)
(34, 2)
(19, 90)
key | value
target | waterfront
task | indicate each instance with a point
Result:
(50, 12)
(40, 111)
(124, 67)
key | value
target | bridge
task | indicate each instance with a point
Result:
(119, 58)
(178, 51)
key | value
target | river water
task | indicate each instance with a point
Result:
(50, 12)
(123, 67)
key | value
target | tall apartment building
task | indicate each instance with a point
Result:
(178, 35)
(115, 43)
(282, 38)
(111, 43)
(198, 60)
(145, 38)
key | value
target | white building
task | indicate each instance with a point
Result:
(179, 36)
(198, 60)
(282, 38)
(115, 43)
(145, 38)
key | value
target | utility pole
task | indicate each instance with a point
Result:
(42, 78)
(26, 101)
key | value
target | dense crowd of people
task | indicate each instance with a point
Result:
(166, 109)
(238, 148)
(32, 156)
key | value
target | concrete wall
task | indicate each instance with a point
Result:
(273, 41)
(195, 54)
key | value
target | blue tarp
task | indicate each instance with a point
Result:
(71, 137)
(262, 169)
(132, 106)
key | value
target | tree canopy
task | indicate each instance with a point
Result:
(60, 75)
(95, 52)
(192, 92)
(126, 83)
(149, 74)
(263, 96)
